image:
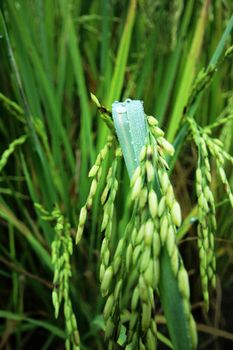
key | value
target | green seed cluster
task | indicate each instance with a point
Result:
(206, 214)
(142, 255)
(216, 149)
(169, 214)
(136, 261)
(11, 148)
(107, 200)
(95, 174)
(208, 146)
(206, 226)
(161, 145)
(61, 251)
(137, 252)
(146, 247)
(108, 266)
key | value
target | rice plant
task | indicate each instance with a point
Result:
(116, 217)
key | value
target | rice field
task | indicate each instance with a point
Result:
(116, 174)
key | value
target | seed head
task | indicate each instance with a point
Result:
(76, 339)
(102, 271)
(145, 259)
(129, 253)
(107, 279)
(162, 205)
(93, 188)
(222, 174)
(143, 289)
(166, 146)
(151, 340)
(176, 214)
(140, 234)
(163, 162)
(143, 197)
(105, 194)
(146, 316)
(82, 216)
(106, 257)
(133, 320)
(105, 221)
(135, 299)
(119, 247)
(152, 121)
(164, 229)
(199, 176)
(136, 174)
(118, 152)
(158, 132)
(153, 327)
(183, 282)
(116, 264)
(55, 302)
(164, 180)
(170, 240)
(175, 261)
(95, 100)
(108, 308)
(150, 171)
(149, 230)
(109, 329)
(142, 154)
(156, 244)
(136, 254)
(213, 281)
(156, 272)
(193, 331)
(104, 246)
(103, 152)
(149, 151)
(153, 203)
(136, 188)
(79, 234)
(117, 289)
(93, 171)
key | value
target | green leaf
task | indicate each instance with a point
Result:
(37, 323)
(189, 73)
(172, 303)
